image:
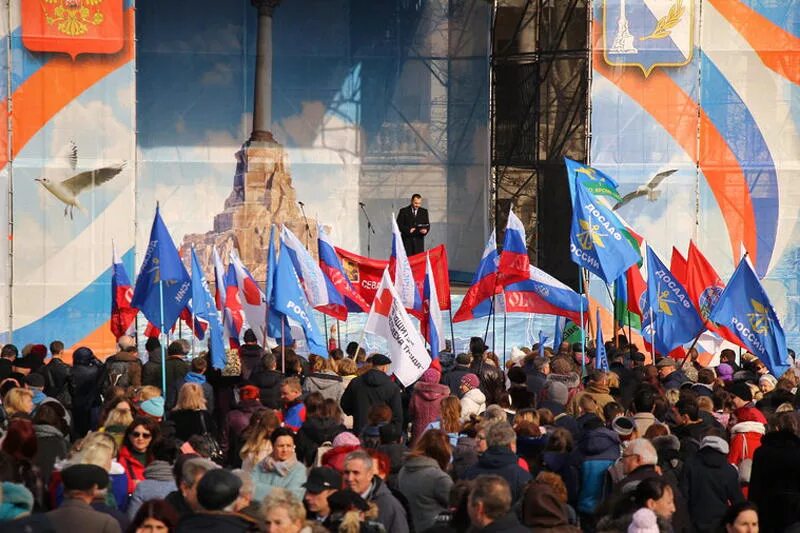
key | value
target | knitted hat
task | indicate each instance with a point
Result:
(16, 500)
(249, 392)
(218, 489)
(715, 443)
(557, 392)
(471, 380)
(153, 407)
(623, 426)
(430, 376)
(345, 438)
(741, 391)
(644, 521)
(725, 371)
(768, 378)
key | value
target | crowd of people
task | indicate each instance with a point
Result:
(277, 442)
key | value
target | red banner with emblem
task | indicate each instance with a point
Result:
(365, 273)
(73, 26)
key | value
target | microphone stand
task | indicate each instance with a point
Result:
(308, 228)
(370, 229)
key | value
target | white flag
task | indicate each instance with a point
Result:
(403, 276)
(388, 319)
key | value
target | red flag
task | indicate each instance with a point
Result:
(123, 314)
(678, 266)
(705, 287)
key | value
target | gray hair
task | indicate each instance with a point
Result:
(644, 449)
(500, 434)
(360, 455)
(268, 361)
(495, 413)
(195, 467)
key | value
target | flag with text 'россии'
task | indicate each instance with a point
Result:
(595, 181)
(745, 309)
(205, 310)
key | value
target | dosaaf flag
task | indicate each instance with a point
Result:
(597, 242)
(389, 319)
(601, 357)
(595, 181)
(670, 314)
(122, 314)
(746, 310)
(162, 265)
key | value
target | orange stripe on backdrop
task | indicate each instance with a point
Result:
(101, 341)
(677, 113)
(55, 85)
(608, 326)
(777, 48)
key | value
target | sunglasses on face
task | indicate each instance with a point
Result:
(137, 435)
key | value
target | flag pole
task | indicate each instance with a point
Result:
(583, 325)
(505, 321)
(163, 349)
(325, 323)
(652, 338)
(283, 347)
(494, 328)
(452, 335)
(694, 342)
(488, 319)
(193, 331)
(338, 334)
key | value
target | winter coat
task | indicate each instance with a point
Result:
(237, 420)
(493, 383)
(176, 370)
(390, 511)
(293, 415)
(329, 384)
(188, 422)
(157, 484)
(52, 446)
(643, 421)
(216, 522)
(674, 380)
(426, 487)
(57, 375)
(425, 406)
(250, 356)
(314, 432)
(565, 465)
(543, 511)
(123, 369)
(453, 379)
(535, 381)
(472, 403)
(501, 461)
(269, 385)
(334, 458)
(598, 449)
(710, 485)
(775, 480)
(200, 379)
(465, 455)
(521, 397)
(507, 524)
(372, 388)
(745, 440)
(86, 374)
(132, 466)
(598, 393)
(265, 479)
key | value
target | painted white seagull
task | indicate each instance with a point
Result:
(648, 189)
(68, 190)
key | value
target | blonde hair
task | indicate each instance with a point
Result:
(13, 399)
(190, 396)
(97, 448)
(256, 435)
(672, 396)
(347, 367)
(323, 364)
(147, 392)
(119, 417)
(280, 497)
(292, 383)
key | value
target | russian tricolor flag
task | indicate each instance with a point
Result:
(431, 324)
(404, 282)
(543, 294)
(514, 261)
(477, 301)
(122, 314)
(334, 271)
(320, 291)
(233, 314)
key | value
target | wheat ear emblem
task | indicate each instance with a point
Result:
(667, 22)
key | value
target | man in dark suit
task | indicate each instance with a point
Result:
(414, 225)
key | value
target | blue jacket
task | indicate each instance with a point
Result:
(501, 461)
(599, 449)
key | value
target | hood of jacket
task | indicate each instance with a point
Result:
(82, 357)
(599, 442)
(542, 508)
(324, 380)
(497, 457)
(159, 471)
(194, 377)
(712, 458)
(415, 464)
(475, 395)
(376, 378)
(46, 430)
(749, 413)
(431, 392)
(594, 388)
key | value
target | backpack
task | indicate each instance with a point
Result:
(322, 450)
(116, 375)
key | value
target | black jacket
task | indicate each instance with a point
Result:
(250, 355)
(414, 243)
(501, 461)
(710, 485)
(314, 432)
(269, 383)
(493, 384)
(775, 480)
(57, 375)
(372, 388)
(507, 524)
(218, 522)
(5, 368)
(453, 379)
(188, 422)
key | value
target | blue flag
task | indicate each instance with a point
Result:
(162, 263)
(205, 310)
(601, 359)
(280, 333)
(542, 340)
(669, 314)
(596, 182)
(559, 332)
(290, 299)
(597, 238)
(745, 309)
